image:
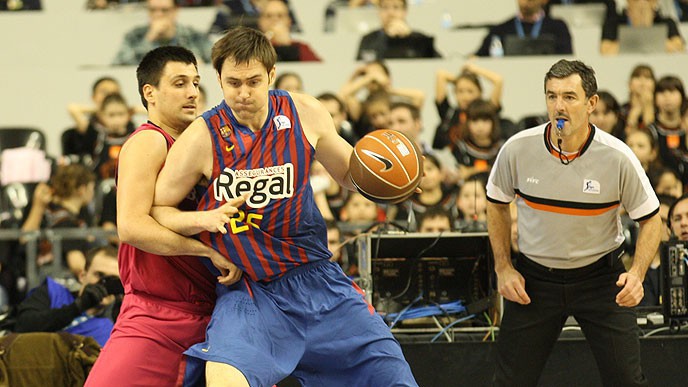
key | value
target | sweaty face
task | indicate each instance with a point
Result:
(176, 94)
(566, 99)
(245, 88)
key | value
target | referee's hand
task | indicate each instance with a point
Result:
(512, 286)
(632, 291)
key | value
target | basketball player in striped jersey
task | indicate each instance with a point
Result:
(294, 312)
(169, 292)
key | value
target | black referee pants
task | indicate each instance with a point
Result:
(528, 332)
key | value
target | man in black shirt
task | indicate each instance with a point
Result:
(51, 307)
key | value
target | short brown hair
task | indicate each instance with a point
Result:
(243, 44)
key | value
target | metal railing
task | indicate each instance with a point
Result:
(31, 240)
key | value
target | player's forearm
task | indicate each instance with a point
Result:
(181, 222)
(148, 235)
(499, 229)
(646, 246)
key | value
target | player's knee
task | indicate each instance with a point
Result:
(224, 375)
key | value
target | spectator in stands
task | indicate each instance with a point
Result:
(477, 147)
(678, 218)
(233, 13)
(360, 212)
(610, 6)
(162, 30)
(644, 146)
(530, 22)
(337, 110)
(339, 250)
(289, 81)
(434, 193)
(466, 88)
(275, 22)
(639, 111)
(368, 79)
(607, 115)
(114, 126)
(472, 204)
(671, 103)
(395, 39)
(376, 113)
(79, 142)
(90, 311)
(651, 283)
(640, 13)
(62, 205)
(406, 118)
(435, 219)
(20, 5)
(667, 181)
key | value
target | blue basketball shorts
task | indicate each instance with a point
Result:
(312, 323)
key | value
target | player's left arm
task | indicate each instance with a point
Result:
(331, 150)
(645, 249)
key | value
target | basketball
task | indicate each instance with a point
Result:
(386, 166)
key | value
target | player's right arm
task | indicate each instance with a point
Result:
(140, 161)
(510, 282)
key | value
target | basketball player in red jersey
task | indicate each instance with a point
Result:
(294, 312)
(169, 291)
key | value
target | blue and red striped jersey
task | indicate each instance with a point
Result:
(279, 227)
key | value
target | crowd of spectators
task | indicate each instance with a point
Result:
(652, 120)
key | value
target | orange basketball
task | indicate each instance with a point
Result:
(386, 166)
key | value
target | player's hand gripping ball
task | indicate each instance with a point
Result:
(386, 166)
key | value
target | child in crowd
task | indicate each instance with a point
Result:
(434, 192)
(639, 111)
(115, 116)
(607, 115)
(289, 81)
(472, 204)
(435, 219)
(643, 145)
(62, 204)
(476, 148)
(466, 88)
(666, 181)
(670, 100)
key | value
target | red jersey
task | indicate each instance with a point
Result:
(183, 281)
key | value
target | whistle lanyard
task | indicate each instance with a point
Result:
(534, 33)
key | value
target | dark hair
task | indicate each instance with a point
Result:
(432, 159)
(471, 77)
(110, 252)
(287, 74)
(333, 97)
(609, 101)
(656, 174)
(435, 212)
(101, 80)
(243, 44)
(415, 112)
(672, 83)
(380, 63)
(69, 178)
(673, 206)
(153, 64)
(481, 109)
(113, 98)
(643, 70)
(565, 68)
